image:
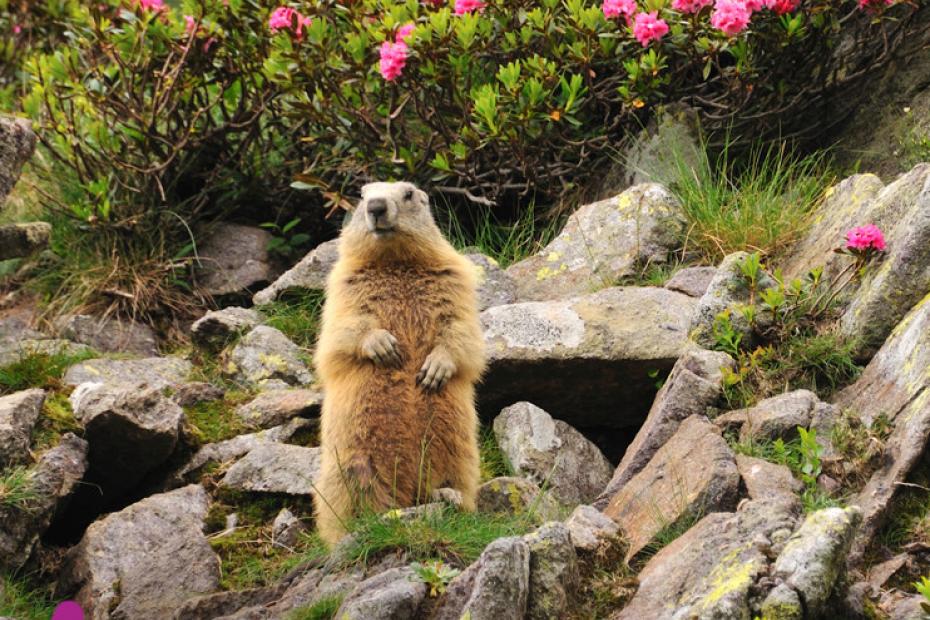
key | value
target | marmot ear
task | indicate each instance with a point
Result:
(365, 189)
(423, 198)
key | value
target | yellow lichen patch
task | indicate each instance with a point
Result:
(624, 201)
(480, 273)
(730, 575)
(829, 191)
(274, 361)
(547, 272)
(554, 256)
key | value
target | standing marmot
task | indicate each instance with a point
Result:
(399, 353)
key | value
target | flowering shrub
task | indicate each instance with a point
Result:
(865, 240)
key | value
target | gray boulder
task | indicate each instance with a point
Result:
(309, 274)
(18, 144)
(286, 529)
(694, 384)
(22, 239)
(554, 576)
(495, 286)
(16, 349)
(668, 146)
(772, 418)
(234, 259)
(108, 334)
(551, 453)
(156, 372)
(19, 413)
(275, 468)
(692, 281)
(692, 474)
(589, 528)
(601, 243)
(765, 479)
(495, 587)
(265, 357)
(395, 594)
(145, 560)
(513, 495)
(276, 407)
(195, 392)
(216, 328)
(588, 360)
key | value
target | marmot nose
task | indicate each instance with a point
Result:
(377, 207)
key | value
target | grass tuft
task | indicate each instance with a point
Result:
(297, 316)
(215, 420)
(57, 419)
(323, 609)
(38, 370)
(21, 599)
(494, 463)
(16, 490)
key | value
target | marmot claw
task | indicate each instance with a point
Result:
(380, 346)
(436, 370)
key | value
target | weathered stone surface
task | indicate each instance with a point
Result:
(266, 357)
(782, 603)
(276, 468)
(764, 479)
(51, 481)
(894, 384)
(17, 144)
(514, 495)
(711, 570)
(552, 453)
(23, 239)
(131, 431)
(587, 360)
(108, 334)
(144, 561)
(728, 290)
(692, 474)
(286, 529)
(19, 413)
(694, 384)
(14, 350)
(309, 274)
(670, 144)
(217, 327)
(276, 407)
(156, 372)
(772, 418)
(601, 243)
(234, 260)
(222, 604)
(589, 527)
(395, 594)
(553, 572)
(901, 606)
(495, 286)
(815, 556)
(495, 587)
(692, 281)
(190, 394)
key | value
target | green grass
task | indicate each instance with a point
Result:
(759, 201)
(909, 517)
(493, 461)
(20, 599)
(56, 420)
(16, 488)
(669, 534)
(297, 316)
(323, 609)
(216, 420)
(38, 370)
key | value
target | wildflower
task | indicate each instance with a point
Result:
(754, 5)
(690, 6)
(730, 17)
(616, 8)
(191, 24)
(17, 28)
(780, 7)
(393, 59)
(404, 32)
(467, 6)
(286, 18)
(874, 5)
(865, 239)
(647, 27)
(152, 5)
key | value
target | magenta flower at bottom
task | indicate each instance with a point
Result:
(865, 238)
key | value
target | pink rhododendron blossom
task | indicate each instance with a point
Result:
(403, 33)
(616, 8)
(17, 28)
(467, 6)
(152, 5)
(286, 18)
(393, 59)
(690, 6)
(865, 238)
(730, 17)
(191, 24)
(780, 7)
(873, 5)
(647, 27)
(754, 5)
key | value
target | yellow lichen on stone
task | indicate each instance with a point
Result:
(624, 202)
(274, 361)
(554, 256)
(480, 273)
(547, 272)
(729, 575)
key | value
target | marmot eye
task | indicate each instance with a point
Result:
(408, 195)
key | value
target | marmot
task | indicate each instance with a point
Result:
(399, 353)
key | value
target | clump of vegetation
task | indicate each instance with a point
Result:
(57, 419)
(909, 517)
(215, 420)
(39, 370)
(860, 445)
(923, 588)
(607, 581)
(297, 316)
(21, 599)
(16, 488)
(493, 460)
(436, 575)
(323, 609)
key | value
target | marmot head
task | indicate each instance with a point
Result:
(389, 209)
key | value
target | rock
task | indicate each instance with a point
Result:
(450, 497)
(190, 394)
(22, 239)
(309, 274)
(587, 360)
(311, 588)
(266, 357)
(815, 556)
(222, 604)
(764, 479)
(495, 286)
(495, 587)
(156, 372)
(692, 474)
(276, 407)
(19, 413)
(712, 570)
(15, 350)
(694, 384)
(395, 594)
(515, 496)
(108, 334)
(772, 418)
(823, 419)
(900, 606)
(145, 560)
(234, 260)
(879, 574)
(601, 243)
(276, 468)
(131, 431)
(554, 574)
(50, 484)
(728, 291)
(550, 452)
(692, 281)
(783, 603)
(217, 328)
(894, 384)
(589, 528)
(17, 144)
(286, 529)
(669, 145)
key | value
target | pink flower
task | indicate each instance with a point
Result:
(393, 59)
(690, 6)
(730, 17)
(404, 32)
(616, 8)
(286, 18)
(874, 5)
(467, 6)
(152, 5)
(17, 28)
(754, 5)
(191, 24)
(780, 7)
(647, 27)
(865, 238)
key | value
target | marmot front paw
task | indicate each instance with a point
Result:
(380, 346)
(436, 370)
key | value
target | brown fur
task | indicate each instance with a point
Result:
(386, 440)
